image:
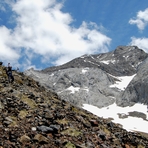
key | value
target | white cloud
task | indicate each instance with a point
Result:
(140, 42)
(6, 52)
(141, 19)
(43, 29)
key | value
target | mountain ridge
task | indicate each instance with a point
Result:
(96, 61)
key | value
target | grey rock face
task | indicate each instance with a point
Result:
(88, 79)
(79, 86)
(137, 90)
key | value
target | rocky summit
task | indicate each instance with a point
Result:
(95, 79)
(32, 116)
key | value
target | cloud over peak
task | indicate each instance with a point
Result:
(141, 21)
(140, 42)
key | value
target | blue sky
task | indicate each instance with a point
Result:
(44, 33)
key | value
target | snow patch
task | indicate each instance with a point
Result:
(92, 57)
(123, 82)
(85, 70)
(93, 63)
(86, 89)
(108, 61)
(51, 75)
(126, 57)
(73, 89)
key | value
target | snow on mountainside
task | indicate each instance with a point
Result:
(132, 118)
(122, 82)
(119, 77)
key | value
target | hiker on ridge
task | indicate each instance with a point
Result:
(9, 73)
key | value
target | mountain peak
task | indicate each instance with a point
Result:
(124, 60)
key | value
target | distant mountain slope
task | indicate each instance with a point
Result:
(93, 79)
(33, 117)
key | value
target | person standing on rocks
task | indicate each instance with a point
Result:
(9, 73)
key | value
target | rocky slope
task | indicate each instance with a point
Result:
(89, 79)
(33, 117)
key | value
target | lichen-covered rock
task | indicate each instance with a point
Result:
(24, 139)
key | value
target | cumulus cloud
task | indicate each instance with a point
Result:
(141, 19)
(6, 52)
(140, 42)
(43, 30)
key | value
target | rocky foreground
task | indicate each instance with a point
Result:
(34, 117)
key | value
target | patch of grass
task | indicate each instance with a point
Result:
(140, 146)
(142, 134)
(29, 102)
(69, 145)
(105, 130)
(71, 132)
(22, 114)
(18, 80)
(80, 112)
(62, 121)
(3, 72)
(14, 122)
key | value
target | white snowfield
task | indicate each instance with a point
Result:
(130, 123)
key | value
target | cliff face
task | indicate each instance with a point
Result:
(32, 116)
(137, 91)
(93, 79)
